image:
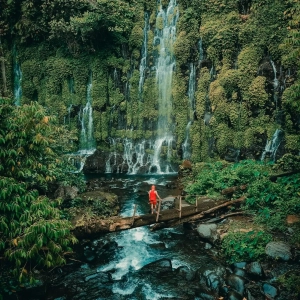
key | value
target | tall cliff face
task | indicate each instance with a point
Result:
(197, 80)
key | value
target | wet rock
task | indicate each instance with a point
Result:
(158, 267)
(233, 295)
(208, 232)
(254, 292)
(207, 246)
(89, 254)
(239, 272)
(212, 278)
(278, 250)
(168, 203)
(204, 294)
(254, 269)
(236, 282)
(185, 272)
(269, 290)
(240, 265)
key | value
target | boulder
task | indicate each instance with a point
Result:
(236, 282)
(278, 250)
(208, 232)
(254, 269)
(66, 192)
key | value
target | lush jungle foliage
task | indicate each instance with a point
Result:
(270, 199)
(33, 233)
(239, 48)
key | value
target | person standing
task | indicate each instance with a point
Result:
(153, 195)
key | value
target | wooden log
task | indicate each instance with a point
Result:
(98, 226)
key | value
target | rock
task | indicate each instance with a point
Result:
(254, 269)
(158, 267)
(239, 272)
(208, 231)
(185, 273)
(66, 192)
(236, 282)
(253, 292)
(240, 265)
(269, 290)
(233, 295)
(212, 278)
(204, 293)
(278, 250)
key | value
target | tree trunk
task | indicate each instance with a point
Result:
(205, 206)
(3, 73)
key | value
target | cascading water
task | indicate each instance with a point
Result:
(87, 144)
(272, 145)
(165, 36)
(186, 146)
(17, 82)
(144, 53)
(201, 51)
(275, 84)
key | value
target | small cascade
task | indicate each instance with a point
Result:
(186, 147)
(165, 36)
(201, 51)
(144, 53)
(116, 79)
(112, 159)
(17, 83)
(134, 156)
(87, 142)
(87, 145)
(275, 83)
(272, 145)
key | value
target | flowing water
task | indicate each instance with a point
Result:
(122, 258)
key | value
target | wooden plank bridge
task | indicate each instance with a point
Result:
(183, 212)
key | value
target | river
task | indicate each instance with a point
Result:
(136, 263)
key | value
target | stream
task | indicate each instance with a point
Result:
(136, 263)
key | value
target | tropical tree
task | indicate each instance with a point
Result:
(32, 231)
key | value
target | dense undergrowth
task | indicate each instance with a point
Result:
(34, 234)
(270, 199)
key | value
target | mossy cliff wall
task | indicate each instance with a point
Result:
(239, 101)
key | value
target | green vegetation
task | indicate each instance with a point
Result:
(270, 202)
(33, 233)
(241, 246)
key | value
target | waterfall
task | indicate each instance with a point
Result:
(272, 145)
(17, 81)
(201, 51)
(186, 147)
(275, 83)
(165, 35)
(134, 156)
(144, 52)
(87, 142)
(112, 159)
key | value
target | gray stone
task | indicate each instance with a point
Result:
(208, 231)
(278, 250)
(236, 282)
(255, 269)
(233, 295)
(269, 290)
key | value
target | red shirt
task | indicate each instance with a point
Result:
(152, 195)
